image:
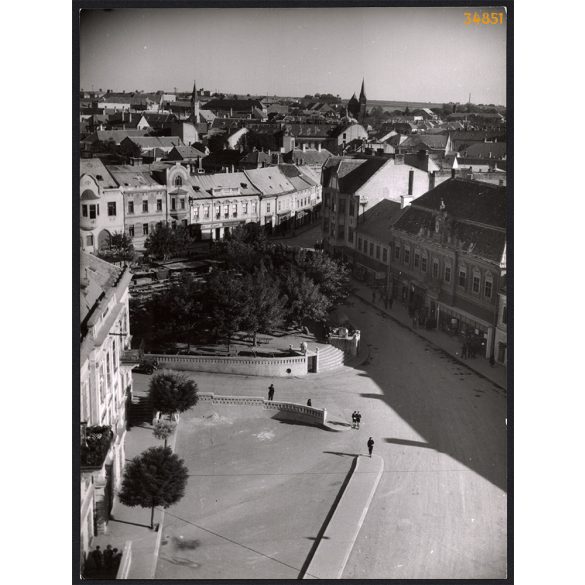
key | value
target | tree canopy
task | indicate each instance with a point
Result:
(156, 477)
(172, 392)
(119, 248)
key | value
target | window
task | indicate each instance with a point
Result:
(341, 232)
(206, 211)
(145, 229)
(342, 206)
(196, 212)
(89, 241)
(462, 277)
(174, 225)
(111, 208)
(115, 355)
(131, 231)
(475, 284)
(145, 206)
(254, 207)
(217, 212)
(505, 315)
(279, 205)
(447, 273)
(435, 269)
(372, 249)
(130, 207)
(182, 200)
(245, 208)
(108, 373)
(173, 204)
(350, 235)
(406, 256)
(178, 181)
(397, 252)
(416, 259)
(268, 207)
(159, 204)
(377, 252)
(84, 210)
(487, 289)
(234, 210)
(423, 263)
(385, 255)
(360, 244)
(94, 211)
(226, 210)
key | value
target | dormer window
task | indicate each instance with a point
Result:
(178, 181)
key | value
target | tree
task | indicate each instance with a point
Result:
(226, 301)
(217, 143)
(118, 249)
(264, 308)
(163, 429)
(161, 243)
(304, 299)
(331, 276)
(172, 392)
(156, 477)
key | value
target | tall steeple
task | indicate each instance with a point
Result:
(195, 103)
(362, 102)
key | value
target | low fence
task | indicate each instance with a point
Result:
(275, 409)
(125, 562)
(349, 344)
(277, 367)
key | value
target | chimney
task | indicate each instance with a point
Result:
(452, 173)
(200, 163)
(405, 200)
(410, 181)
(319, 147)
(304, 147)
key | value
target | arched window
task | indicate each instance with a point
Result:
(178, 181)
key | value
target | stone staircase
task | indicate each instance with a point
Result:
(330, 358)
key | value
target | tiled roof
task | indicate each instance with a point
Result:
(97, 276)
(256, 157)
(484, 149)
(156, 141)
(203, 184)
(308, 157)
(270, 181)
(96, 169)
(377, 221)
(354, 173)
(188, 152)
(133, 175)
(115, 136)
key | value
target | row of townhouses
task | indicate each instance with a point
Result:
(434, 241)
(135, 198)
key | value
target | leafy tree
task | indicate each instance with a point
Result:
(304, 299)
(264, 308)
(226, 299)
(217, 143)
(163, 429)
(156, 477)
(118, 249)
(331, 276)
(171, 392)
(161, 243)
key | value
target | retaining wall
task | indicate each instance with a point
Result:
(275, 409)
(273, 367)
(349, 344)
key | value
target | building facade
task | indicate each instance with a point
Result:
(105, 389)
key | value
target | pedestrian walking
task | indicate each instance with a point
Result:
(271, 392)
(108, 557)
(358, 419)
(97, 558)
(464, 350)
(353, 419)
(309, 402)
(370, 446)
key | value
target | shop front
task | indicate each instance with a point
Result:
(476, 333)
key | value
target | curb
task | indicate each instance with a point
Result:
(456, 358)
(342, 529)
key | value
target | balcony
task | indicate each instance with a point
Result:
(95, 444)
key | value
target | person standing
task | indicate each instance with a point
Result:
(271, 392)
(370, 446)
(108, 557)
(309, 402)
(97, 558)
(353, 419)
(358, 419)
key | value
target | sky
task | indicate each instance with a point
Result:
(417, 54)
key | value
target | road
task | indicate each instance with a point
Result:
(440, 508)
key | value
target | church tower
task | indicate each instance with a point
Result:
(362, 102)
(195, 103)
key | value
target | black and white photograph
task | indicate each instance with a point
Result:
(292, 227)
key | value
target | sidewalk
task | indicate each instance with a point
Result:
(132, 524)
(450, 344)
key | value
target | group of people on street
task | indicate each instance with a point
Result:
(105, 563)
(356, 418)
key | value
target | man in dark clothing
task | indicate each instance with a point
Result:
(309, 402)
(370, 446)
(358, 419)
(271, 392)
(108, 557)
(97, 558)
(353, 419)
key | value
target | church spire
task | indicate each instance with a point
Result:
(363, 92)
(195, 102)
